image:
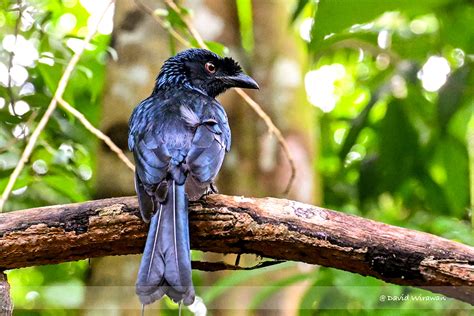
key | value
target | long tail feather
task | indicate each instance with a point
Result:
(166, 263)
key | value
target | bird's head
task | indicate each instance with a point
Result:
(203, 70)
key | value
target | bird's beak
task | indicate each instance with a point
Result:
(241, 81)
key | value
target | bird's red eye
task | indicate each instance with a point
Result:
(210, 67)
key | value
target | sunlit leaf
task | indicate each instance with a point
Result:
(244, 13)
(450, 95)
(274, 287)
(334, 16)
(23, 180)
(217, 48)
(6, 117)
(368, 185)
(451, 155)
(398, 147)
(71, 187)
(298, 9)
(175, 20)
(236, 278)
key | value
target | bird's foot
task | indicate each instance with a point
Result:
(212, 189)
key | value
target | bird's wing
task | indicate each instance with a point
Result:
(158, 139)
(210, 142)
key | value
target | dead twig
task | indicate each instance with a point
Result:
(222, 266)
(163, 24)
(191, 29)
(98, 133)
(273, 130)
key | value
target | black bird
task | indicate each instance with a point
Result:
(179, 136)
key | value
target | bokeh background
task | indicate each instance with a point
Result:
(375, 100)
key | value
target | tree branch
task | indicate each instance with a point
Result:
(6, 306)
(269, 227)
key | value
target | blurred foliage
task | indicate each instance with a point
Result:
(62, 167)
(244, 13)
(394, 147)
(394, 143)
(394, 83)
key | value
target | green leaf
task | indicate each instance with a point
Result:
(274, 287)
(309, 302)
(217, 48)
(398, 146)
(6, 117)
(37, 100)
(435, 197)
(298, 9)
(23, 180)
(361, 121)
(368, 185)
(244, 12)
(334, 16)
(175, 20)
(51, 75)
(236, 278)
(451, 159)
(71, 187)
(450, 95)
(357, 125)
(365, 290)
(312, 298)
(458, 26)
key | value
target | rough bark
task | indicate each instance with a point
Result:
(269, 227)
(6, 306)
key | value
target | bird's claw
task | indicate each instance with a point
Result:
(212, 189)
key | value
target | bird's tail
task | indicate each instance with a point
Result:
(166, 263)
